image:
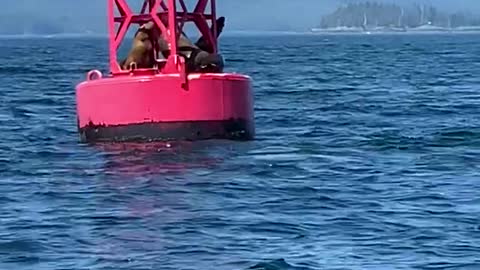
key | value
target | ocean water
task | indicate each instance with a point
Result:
(367, 156)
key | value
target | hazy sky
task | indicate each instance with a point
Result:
(241, 14)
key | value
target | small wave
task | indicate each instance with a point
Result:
(393, 140)
(17, 70)
(279, 264)
(23, 246)
(447, 265)
(457, 137)
(236, 60)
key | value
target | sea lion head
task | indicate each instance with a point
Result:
(145, 31)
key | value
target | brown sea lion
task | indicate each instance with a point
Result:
(198, 56)
(141, 52)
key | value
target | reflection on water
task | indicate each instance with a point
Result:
(158, 158)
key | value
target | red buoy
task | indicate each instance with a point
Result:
(168, 100)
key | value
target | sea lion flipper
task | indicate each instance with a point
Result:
(202, 43)
(220, 25)
(122, 63)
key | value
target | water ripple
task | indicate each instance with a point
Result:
(366, 158)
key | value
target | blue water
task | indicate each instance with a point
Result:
(367, 157)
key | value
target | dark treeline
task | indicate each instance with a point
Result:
(391, 15)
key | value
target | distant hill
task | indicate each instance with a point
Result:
(371, 15)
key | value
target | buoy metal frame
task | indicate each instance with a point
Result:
(163, 102)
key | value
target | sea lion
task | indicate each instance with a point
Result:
(199, 56)
(202, 43)
(141, 52)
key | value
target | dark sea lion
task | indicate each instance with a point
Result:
(202, 43)
(199, 56)
(141, 52)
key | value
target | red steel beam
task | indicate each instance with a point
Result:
(170, 23)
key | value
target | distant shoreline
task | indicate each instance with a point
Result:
(244, 33)
(47, 36)
(436, 30)
(371, 17)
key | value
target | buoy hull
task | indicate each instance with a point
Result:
(160, 107)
